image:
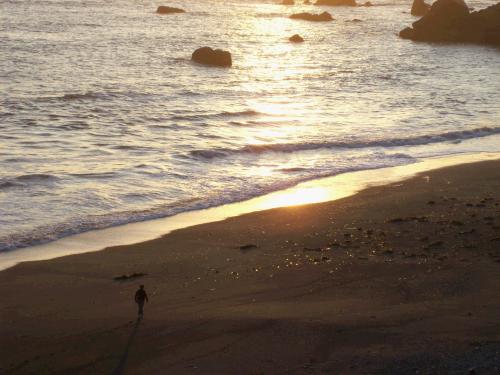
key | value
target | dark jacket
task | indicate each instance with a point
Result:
(141, 296)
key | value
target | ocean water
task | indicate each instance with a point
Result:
(104, 119)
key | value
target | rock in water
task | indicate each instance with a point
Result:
(209, 56)
(296, 39)
(337, 3)
(168, 10)
(288, 2)
(487, 24)
(323, 17)
(367, 4)
(406, 33)
(307, 2)
(419, 8)
(450, 21)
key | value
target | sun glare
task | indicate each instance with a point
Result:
(296, 197)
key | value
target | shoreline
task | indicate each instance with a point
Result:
(323, 189)
(396, 279)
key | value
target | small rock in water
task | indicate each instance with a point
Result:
(296, 39)
(168, 10)
(209, 56)
(323, 17)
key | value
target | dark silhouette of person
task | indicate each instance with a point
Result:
(140, 297)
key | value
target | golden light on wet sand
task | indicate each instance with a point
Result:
(297, 197)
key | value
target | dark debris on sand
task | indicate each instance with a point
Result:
(134, 275)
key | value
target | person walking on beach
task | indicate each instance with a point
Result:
(141, 297)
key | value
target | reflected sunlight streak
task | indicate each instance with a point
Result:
(297, 197)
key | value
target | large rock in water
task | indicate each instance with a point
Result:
(419, 8)
(450, 21)
(337, 3)
(162, 9)
(323, 17)
(209, 56)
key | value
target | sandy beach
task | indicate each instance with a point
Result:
(398, 279)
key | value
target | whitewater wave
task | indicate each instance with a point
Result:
(454, 136)
(80, 224)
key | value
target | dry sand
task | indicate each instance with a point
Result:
(400, 279)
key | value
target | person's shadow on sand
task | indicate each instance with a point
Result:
(123, 360)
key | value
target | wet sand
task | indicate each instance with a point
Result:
(399, 279)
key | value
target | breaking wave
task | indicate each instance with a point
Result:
(454, 136)
(83, 223)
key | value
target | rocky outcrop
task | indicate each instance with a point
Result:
(307, 2)
(323, 17)
(209, 56)
(337, 3)
(288, 2)
(162, 9)
(367, 4)
(296, 39)
(419, 8)
(451, 21)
